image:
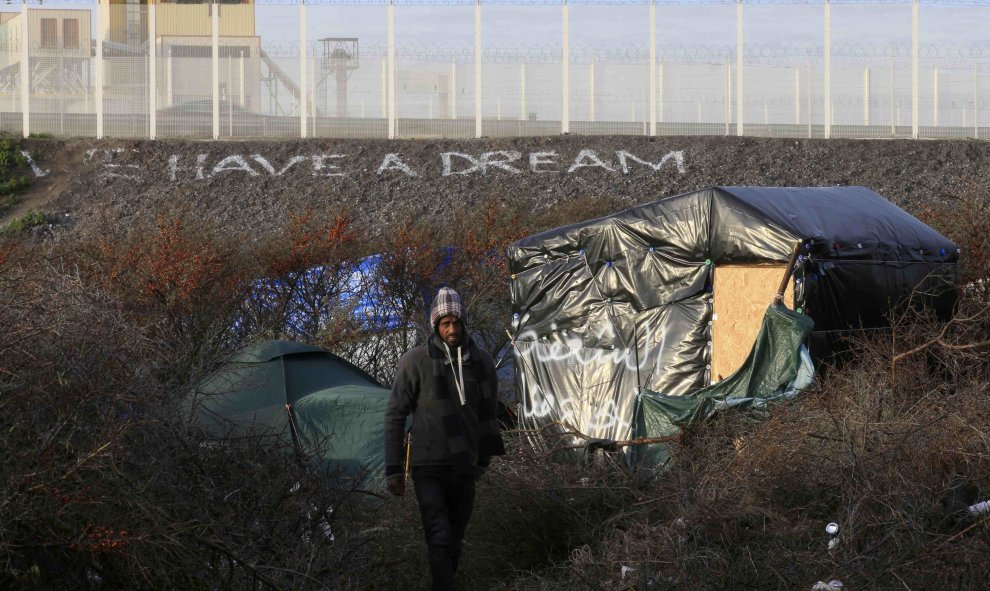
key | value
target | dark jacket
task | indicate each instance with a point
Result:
(444, 432)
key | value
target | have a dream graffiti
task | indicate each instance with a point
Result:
(131, 164)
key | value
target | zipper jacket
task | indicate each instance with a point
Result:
(451, 395)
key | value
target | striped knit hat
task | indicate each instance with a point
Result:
(446, 303)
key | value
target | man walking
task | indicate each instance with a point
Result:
(449, 386)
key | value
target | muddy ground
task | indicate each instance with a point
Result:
(248, 186)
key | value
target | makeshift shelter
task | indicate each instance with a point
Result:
(328, 408)
(669, 296)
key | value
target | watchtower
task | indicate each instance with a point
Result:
(340, 58)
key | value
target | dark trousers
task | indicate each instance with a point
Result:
(445, 501)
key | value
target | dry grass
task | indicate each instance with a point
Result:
(106, 487)
(877, 446)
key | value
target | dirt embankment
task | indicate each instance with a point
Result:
(248, 186)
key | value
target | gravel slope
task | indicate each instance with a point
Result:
(248, 185)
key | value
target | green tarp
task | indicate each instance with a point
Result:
(775, 368)
(328, 408)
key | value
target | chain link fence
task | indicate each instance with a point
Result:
(498, 68)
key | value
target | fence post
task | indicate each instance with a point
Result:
(101, 22)
(976, 102)
(390, 26)
(240, 78)
(653, 67)
(728, 97)
(739, 67)
(810, 100)
(644, 93)
(385, 88)
(828, 69)
(797, 95)
(215, 60)
(591, 91)
(168, 78)
(565, 82)
(659, 69)
(477, 69)
(522, 91)
(915, 91)
(893, 109)
(312, 111)
(152, 72)
(303, 72)
(866, 97)
(935, 96)
(453, 90)
(25, 72)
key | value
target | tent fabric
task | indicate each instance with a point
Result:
(268, 350)
(336, 408)
(607, 307)
(770, 372)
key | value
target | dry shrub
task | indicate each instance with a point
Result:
(70, 391)
(177, 277)
(302, 282)
(105, 485)
(878, 447)
(397, 287)
(105, 335)
(964, 218)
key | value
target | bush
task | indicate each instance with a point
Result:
(107, 486)
(964, 218)
(13, 172)
(32, 219)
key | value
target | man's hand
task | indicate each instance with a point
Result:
(396, 485)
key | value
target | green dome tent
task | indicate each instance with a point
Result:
(326, 406)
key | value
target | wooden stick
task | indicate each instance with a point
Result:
(408, 450)
(623, 443)
(779, 297)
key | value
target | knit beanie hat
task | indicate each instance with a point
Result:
(446, 303)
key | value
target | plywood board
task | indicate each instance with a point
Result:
(740, 298)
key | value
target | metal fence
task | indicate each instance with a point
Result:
(451, 69)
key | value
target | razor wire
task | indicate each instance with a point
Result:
(618, 2)
(769, 54)
(545, 2)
